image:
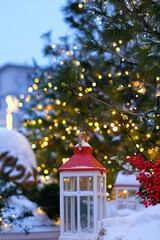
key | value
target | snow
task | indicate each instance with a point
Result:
(38, 222)
(143, 225)
(84, 144)
(126, 179)
(112, 210)
(17, 146)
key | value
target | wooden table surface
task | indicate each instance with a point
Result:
(31, 236)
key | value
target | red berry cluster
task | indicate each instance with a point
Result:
(149, 177)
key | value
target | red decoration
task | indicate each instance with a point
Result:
(149, 177)
(82, 161)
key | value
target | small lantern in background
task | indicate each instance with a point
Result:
(82, 194)
(126, 186)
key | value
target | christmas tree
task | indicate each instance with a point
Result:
(105, 80)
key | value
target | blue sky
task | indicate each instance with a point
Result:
(22, 22)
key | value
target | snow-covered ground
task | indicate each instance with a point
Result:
(142, 225)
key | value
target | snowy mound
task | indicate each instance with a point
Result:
(38, 222)
(142, 225)
(23, 165)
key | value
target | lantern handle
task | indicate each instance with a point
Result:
(82, 136)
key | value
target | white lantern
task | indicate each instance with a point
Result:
(82, 195)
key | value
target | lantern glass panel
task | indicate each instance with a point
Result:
(86, 213)
(70, 214)
(131, 194)
(99, 184)
(86, 183)
(99, 207)
(103, 207)
(122, 194)
(70, 184)
(122, 205)
(132, 205)
(103, 184)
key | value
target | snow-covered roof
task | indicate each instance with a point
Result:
(124, 179)
(82, 160)
(84, 144)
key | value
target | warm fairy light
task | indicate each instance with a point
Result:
(30, 89)
(99, 76)
(118, 49)
(109, 74)
(90, 124)
(36, 80)
(53, 45)
(81, 76)
(112, 124)
(80, 94)
(35, 87)
(109, 186)
(114, 44)
(20, 104)
(105, 126)
(56, 124)
(49, 84)
(157, 78)
(137, 145)
(33, 146)
(75, 47)
(64, 104)
(27, 99)
(141, 149)
(96, 124)
(115, 129)
(120, 41)
(63, 121)
(80, 5)
(21, 96)
(58, 102)
(46, 171)
(40, 121)
(39, 107)
(105, 157)
(39, 168)
(126, 72)
(54, 170)
(63, 137)
(148, 135)
(64, 160)
(113, 112)
(118, 74)
(94, 84)
(33, 122)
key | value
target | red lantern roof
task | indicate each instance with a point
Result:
(82, 160)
